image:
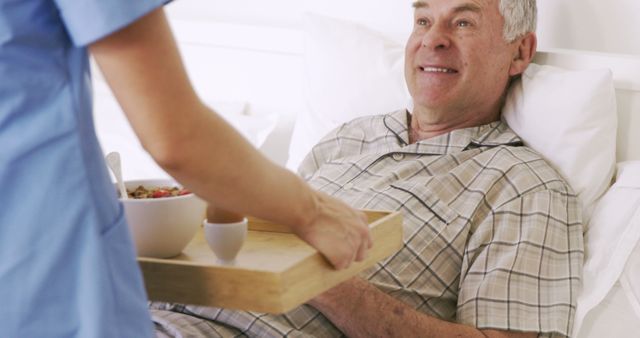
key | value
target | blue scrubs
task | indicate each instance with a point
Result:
(67, 263)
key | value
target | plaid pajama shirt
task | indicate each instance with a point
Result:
(492, 234)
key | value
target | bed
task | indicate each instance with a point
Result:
(273, 79)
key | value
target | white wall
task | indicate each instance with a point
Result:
(387, 14)
(597, 25)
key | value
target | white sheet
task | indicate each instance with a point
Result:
(612, 318)
(613, 234)
(630, 281)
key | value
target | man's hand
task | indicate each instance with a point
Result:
(339, 232)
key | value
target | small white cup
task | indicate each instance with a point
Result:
(225, 239)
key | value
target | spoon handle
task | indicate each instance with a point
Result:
(113, 161)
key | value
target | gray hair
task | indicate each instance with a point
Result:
(520, 18)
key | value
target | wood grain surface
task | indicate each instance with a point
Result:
(274, 272)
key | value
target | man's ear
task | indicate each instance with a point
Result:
(526, 49)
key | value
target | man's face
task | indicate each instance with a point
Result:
(457, 62)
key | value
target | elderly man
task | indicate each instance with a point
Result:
(493, 237)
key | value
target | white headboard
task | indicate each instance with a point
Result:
(626, 75)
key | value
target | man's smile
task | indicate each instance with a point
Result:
(437, 69)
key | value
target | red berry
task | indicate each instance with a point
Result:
(160, 193)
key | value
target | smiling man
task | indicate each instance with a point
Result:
(458, 63)
(493, 241)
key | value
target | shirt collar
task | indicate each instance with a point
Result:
(488, 135)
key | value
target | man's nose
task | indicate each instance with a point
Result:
(437, 37)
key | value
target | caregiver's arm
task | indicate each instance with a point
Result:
(142, 65)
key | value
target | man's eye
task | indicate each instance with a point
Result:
(422, 22)
(463, 23)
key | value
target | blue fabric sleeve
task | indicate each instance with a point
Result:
(90, 20)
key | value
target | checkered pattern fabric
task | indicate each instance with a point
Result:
(492, 234)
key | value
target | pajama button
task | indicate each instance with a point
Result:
(398, 156)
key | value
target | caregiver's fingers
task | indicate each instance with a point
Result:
(365, 245)
(338, 231)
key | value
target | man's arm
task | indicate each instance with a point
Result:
(142, 65)
(359, 309)
(535, 237)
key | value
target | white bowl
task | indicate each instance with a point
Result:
(162, 227)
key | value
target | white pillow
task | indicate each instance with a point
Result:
(570, 118)
(350, 71)
(567, 116)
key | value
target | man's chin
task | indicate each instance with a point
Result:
(429, 103)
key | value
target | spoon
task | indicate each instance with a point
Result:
(113, 161)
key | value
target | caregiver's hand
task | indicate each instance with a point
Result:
(339, 232)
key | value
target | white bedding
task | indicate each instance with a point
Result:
(613, 234)
(630, 281)
(613, 318)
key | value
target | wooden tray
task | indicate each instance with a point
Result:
(274, 272)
